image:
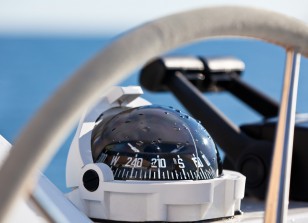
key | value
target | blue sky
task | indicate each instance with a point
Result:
(96, 17)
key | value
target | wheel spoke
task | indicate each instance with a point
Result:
(279, 184)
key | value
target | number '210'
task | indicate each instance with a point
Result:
(158, 162)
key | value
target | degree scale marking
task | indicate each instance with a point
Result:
(159, 174)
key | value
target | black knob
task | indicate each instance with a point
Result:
(90, 180)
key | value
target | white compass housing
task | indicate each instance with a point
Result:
(96, 192)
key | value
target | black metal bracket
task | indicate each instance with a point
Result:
(208, 74)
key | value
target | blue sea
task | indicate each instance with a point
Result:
(31, 69)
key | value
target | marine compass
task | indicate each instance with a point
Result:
(136, 162)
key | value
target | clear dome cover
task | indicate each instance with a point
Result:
(155, 143)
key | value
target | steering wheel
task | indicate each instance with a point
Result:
(34, 147)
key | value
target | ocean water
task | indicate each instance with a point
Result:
(31, 68)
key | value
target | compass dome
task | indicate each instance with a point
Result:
(155, 143)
